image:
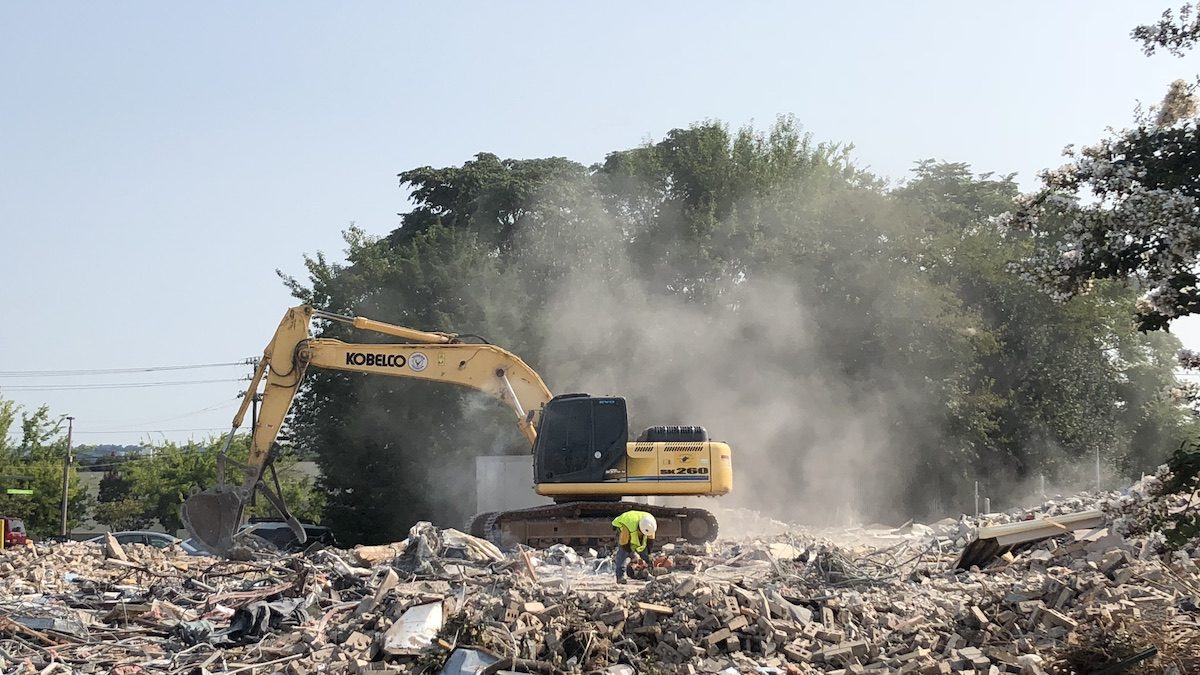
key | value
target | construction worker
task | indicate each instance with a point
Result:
(635, 533)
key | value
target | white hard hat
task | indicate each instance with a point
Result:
(648, 525)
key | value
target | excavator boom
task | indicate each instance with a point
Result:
(581, 454)
(212, 517)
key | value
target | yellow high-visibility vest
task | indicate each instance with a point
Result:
(627, 523)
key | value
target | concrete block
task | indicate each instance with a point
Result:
(718, 636)
(737, 623)
(612, 617)
(1051, 617)
(797, 654)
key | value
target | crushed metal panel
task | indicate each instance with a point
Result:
(68, 626)
(466, 661)
(996, 540)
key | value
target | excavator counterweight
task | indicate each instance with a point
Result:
(582, 455)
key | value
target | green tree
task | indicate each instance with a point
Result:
(38, 458)
(1062, 381)
(158, 484)
(122, 514)
(115, 505)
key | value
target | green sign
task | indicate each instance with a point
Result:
(18, 491)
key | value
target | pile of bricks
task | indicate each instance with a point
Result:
(873, 601)
(1023, 614)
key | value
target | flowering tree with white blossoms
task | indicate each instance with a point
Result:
(1127, 207)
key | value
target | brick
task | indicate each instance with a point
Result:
(612, 617)
(732, 608)
(357, 641)
(718, 636)
(911, 656)
(1064, 596)
(685, 587)
(786, 626)
(745, 598)
(1029, 606)
(1052, 617)
(1111, 561)
(797, 654)
(831, 636)
(662, 610)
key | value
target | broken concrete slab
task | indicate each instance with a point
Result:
(415, 630)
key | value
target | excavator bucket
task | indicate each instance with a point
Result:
(212, 518)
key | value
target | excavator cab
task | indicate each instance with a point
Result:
(580, 437)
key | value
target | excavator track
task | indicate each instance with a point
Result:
(588, 524)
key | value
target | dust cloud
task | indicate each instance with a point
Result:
(807, 446)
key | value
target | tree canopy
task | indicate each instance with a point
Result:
(35, 462)
(1126, 207)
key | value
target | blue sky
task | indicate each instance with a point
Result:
(159, 161)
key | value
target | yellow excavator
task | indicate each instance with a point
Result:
(582, 456)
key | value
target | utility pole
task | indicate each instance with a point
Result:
(66, 474)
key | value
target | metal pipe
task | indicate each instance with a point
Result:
(363, 323)
(512, 394)
(322, 314)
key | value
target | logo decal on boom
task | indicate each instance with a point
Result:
(361, 359)
(418, 362)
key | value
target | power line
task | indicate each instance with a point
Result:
(117, 371)
(151, 431)
(223, 403)
(114, 385)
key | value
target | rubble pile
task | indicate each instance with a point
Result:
(876, 601)
(1145, 511)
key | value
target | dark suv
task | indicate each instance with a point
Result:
(280, 535)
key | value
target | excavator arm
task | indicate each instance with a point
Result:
(212, 517)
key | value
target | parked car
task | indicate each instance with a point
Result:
(190, 547)
(155, 539)
(14, 531)
(277, 533)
